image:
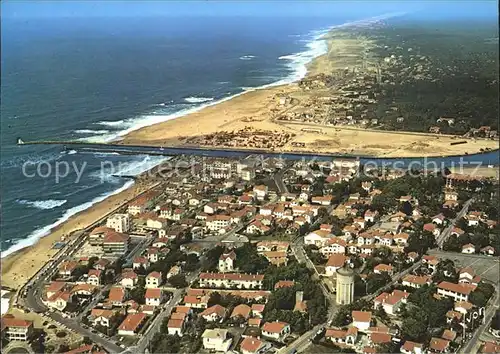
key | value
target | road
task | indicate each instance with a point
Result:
(441, 239)
(154, 327)
(278, 179)
(470, 347)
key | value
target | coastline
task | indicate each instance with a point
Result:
(19, 266)
(256, 109)
(231, 113)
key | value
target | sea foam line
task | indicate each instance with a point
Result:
(44, 231)
(43, 204)
(194, 99)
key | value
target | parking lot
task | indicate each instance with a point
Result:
(484, 266)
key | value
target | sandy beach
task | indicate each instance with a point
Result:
(255, 112)
(20, 266)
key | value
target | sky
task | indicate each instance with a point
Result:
(52, 9)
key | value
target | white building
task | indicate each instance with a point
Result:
(230, 280)
(217, 340)
(226, 262)
(119, 222)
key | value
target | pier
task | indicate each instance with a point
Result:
(489, 157)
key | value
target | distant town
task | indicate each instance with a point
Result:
(266, 255)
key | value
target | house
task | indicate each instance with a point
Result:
(432, 229)
(277, 258)
(230, 280)
(216, 340)
(439, 219)
(94, 277)
(284, 284)
(490, 347)
(175, 326)
(318, 238)
(242, 311)
(439, 345)
(16, 329)
(217, 222)
(458, 292)
(383, 268)
(488, 251)
(410, 347)
(175, 270)
(119, 222)
(416, 281)
(200, 302)
(276, 330)
(101, 317)
(252, 345)
(335, 262)
(132, 324)
(333, 246)
(361, 319)
(324, 200)
(391, 302)
(257, 228)
(129, 278)
(67, 268)
(215, 313)
(226, 262)
(153, 280)
(260, 192)
(379, 338)
(153, 297)
(140, 262)
(116, 296)
(344, 337)
(258, 310)
(468, 248)
(449, 334)
(463, 307)
(59, 300)
(371, 216)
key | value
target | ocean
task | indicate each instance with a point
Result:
(99, 78)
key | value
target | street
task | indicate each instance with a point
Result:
(441, 239)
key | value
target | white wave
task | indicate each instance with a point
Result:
(71, 152)
(247, 57)
(44, 231)
(90, 131)
(31, 159)
(114, 124)
(193, 99)
(42, 204)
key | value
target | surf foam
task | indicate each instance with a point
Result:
(194, 99)
(42, 204)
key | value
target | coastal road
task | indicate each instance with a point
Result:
(441, 239)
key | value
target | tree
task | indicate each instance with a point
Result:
(414, 326)
(178, 281)
(139, 291)
(192, 263)
(480, 296)
(249, 261)
(445, 271)
(212, 258)
(162, 343)
(376, 281)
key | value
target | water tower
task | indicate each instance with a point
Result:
(345, 286)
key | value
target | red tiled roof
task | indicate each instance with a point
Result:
(457, 288)
(116, 294)
(284, 284)
(217, 309)
(242, 310)
(361, 316)
(438, 344)
(132, 322)
(379, 338)
(251, 344)
(153, 293)
(11, 321)
(175, 323)
(336, 260)
(274, 327)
